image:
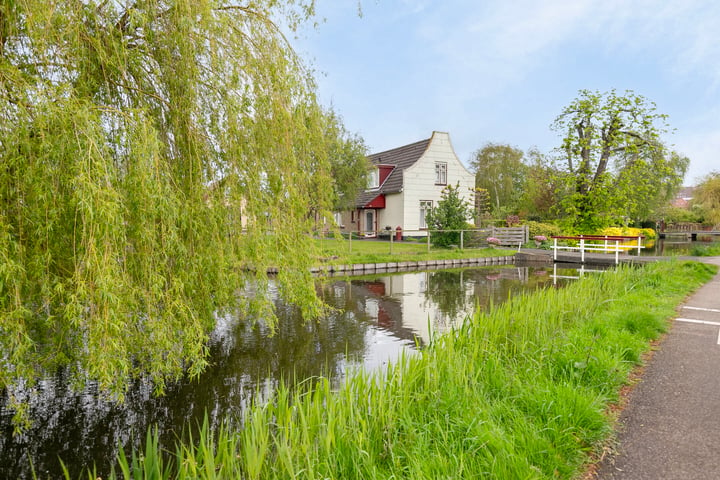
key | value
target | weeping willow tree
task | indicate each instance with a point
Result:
(155, 157)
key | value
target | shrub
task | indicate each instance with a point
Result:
(545, 229)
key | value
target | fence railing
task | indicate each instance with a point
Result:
(598, 243)
(580, 273)
(468, 238)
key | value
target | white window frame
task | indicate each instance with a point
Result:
(373, 179)
(441, 173)
(425, 207)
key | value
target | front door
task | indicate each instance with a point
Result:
(369, 222)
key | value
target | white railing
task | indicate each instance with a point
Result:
(598, 243)
(581, 272)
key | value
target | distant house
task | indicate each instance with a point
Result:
(683, 197)
(405, 185)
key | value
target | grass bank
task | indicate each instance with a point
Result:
(712, 250)
(519, 392)
(379, 251)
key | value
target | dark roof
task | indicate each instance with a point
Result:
(401, 158)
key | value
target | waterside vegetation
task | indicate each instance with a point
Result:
(711, 250)
(521, 391)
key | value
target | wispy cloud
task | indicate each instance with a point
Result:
(501, 70)
(505, 42)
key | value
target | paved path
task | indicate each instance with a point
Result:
(670, 428)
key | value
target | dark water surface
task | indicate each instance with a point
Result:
(677, 245)
(377, 317)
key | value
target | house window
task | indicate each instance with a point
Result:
(440, 173)
(373, 179)
(425, 208)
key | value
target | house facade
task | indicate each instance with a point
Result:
(406, 183)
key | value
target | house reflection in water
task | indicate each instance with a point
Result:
(412, 306)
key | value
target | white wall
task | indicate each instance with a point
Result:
(419, 180)
(392, 214)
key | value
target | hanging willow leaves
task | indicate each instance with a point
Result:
(152, 153)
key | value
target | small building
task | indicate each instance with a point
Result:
(683, 197)
(405, 184)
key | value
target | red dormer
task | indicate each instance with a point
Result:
(385, 171)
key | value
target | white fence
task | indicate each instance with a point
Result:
(597, 243)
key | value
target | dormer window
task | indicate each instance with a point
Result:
(373, 179)
(440, 173)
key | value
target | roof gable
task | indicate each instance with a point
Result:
(401, 158)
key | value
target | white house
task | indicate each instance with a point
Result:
(406, 183)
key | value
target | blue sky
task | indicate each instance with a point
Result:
(501, 71)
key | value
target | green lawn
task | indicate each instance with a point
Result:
(379, 251)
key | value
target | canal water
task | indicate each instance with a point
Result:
(375, 318)
(678, 245)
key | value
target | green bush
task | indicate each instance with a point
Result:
(546, 229)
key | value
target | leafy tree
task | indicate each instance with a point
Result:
(349, 164)
(671, 214)
(482, 205)
(612, 148)
(540, 191)
(499, 169)
(152, 153)
(452, 213)
(707, 197)
(649, 184)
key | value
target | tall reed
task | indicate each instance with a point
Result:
(518, 392)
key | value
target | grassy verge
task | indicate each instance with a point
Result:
(518, 392)
(712, 250)
(374, 251)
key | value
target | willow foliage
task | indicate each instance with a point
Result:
(151, 153)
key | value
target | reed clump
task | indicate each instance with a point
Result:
(520, 391)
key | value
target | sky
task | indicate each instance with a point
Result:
(501, 71)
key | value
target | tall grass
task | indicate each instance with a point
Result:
(712, 250)
(518, 392)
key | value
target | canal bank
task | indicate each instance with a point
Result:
(518, 393)
(379, 299)
(406, 266)
(669, 428)
(374, 320)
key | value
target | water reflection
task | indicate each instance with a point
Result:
(677, 245)
(375, 318)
